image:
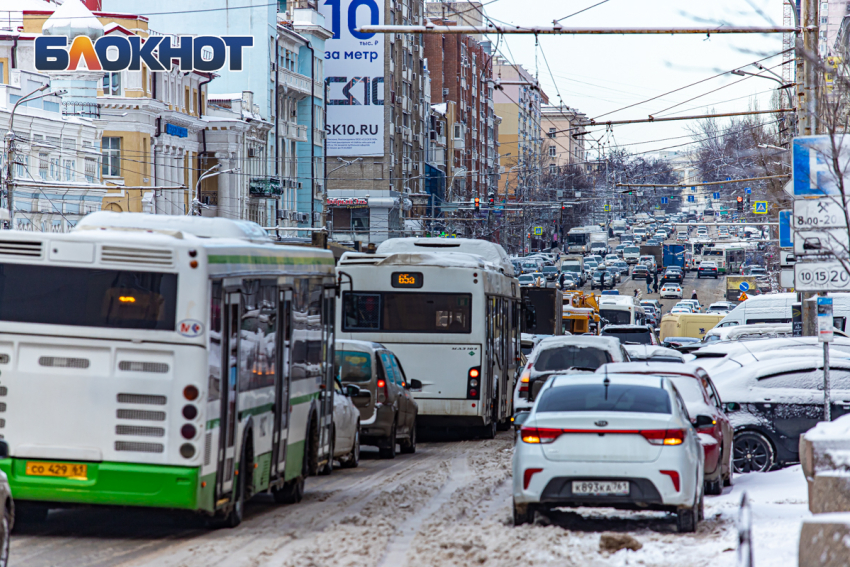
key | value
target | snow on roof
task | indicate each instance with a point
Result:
(441, 108)
(490, 251)
(73, 19)
(199, 226)
(580, 341)
(442, 259)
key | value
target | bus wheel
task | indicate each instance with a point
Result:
(488, 431)
(234, 516)
(291, 492)
(311, 451)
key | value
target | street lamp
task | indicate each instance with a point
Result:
(196, 203)
(10, 144)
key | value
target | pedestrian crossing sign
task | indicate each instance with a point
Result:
(760, 207)
(606, 208)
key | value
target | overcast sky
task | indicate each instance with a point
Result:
(600, 74)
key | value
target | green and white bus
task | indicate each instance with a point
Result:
(163, 361)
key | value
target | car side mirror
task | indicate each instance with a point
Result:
(704, 421)
(414, 385)
(4, 449)
(519, 418)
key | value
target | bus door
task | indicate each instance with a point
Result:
(229, 392)
(326, 389)
(283, 380)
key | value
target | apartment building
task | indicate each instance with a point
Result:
(563, 142)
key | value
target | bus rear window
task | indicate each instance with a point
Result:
(398, 312)
(87, 297)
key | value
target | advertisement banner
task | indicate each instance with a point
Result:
(354, 74)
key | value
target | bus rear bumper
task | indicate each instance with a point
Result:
(117, 484)
(437, 412)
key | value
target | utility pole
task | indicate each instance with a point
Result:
(808, 93)
(808, 53)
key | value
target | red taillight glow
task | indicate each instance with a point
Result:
(542, 435)
(664, 436)
(526, 477)
(674, 476)
(381, 384)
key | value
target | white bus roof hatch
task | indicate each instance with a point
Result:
(490, 251)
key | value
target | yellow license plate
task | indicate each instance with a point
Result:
(64, 470)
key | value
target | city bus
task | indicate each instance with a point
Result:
(728, 257)
(449, 308)
(160, 361)
(621, 310)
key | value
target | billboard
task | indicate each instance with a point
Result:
(354, 74)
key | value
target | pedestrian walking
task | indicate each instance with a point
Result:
(648, 282)
(655, 281)
(694, 295)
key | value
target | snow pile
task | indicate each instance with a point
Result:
(830, 431)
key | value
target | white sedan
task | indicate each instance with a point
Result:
(671, 289)
(622, 442)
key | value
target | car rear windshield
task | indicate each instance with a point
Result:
(88, 297)
(571, 356)
(405, 312)
(626, 336)
(598, 397)
(353, 366)
(549, 269)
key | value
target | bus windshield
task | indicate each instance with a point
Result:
(87, 297)
(616, 316)
(577, 238)
(406, 312)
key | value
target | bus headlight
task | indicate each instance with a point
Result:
(187, 450)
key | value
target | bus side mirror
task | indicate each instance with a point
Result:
(530, 317)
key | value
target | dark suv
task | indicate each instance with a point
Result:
(639, 272)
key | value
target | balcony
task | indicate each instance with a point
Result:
(295, 81)
(295, 132)
(82, 109)
(264, 187)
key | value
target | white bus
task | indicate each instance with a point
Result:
(451, 318)
(578, 238)
(172, 362)
(621, 310)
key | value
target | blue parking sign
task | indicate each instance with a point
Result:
(691, 199)
(717, 195)
(663, 200)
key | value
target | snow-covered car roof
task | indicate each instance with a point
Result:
(608, 343)
(736, 385)
(650, 367)
(725, 348)
(648, 352)
(364, 346)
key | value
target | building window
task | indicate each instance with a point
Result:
(552, 151)
(55, 169)
(112, 84)
(360, 220)
(552, 132)
(111, 148)
(553, 169)
(70, 165)
(42, 165)
(91, 169)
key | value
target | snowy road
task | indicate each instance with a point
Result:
(446, 505)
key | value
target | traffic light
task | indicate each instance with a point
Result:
(740, 203)
(477, 205)
(491, 199)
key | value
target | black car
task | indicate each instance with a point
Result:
(602, 279)
(673, 274)
(769, 421)
(708, 270)
(551, 273)
(639, 272)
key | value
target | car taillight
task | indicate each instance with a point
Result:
(473, 385)
(524, 379)
(664, 436)
(383, 394)
(542, 435)
(526, 477)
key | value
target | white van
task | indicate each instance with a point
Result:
(776, 308)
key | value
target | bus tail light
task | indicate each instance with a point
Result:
(473, 383)
(383, 394)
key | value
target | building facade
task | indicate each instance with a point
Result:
(518, 101)
(563, 142)
(461, 73)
